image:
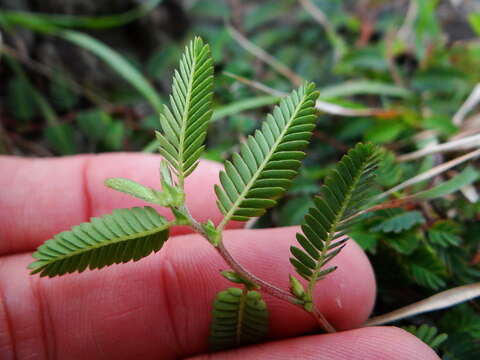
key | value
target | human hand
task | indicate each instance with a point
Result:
(158, 308)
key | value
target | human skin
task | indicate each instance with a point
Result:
(159, 307)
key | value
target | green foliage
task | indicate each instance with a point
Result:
(397, 221)
(267, 161)
(88, 22)
(444, 233)
(240, 317)
(125, 235)
(133, 188)
(116, 61)
(463, 324)
(428, 334)
(426, 269)
(343, 195)
(21, 100)
(466, 177)
(406, 71)
(389, 171)
(185, 123)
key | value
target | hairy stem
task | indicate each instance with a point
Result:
(317, 314)
(266, 286)
(247, 275)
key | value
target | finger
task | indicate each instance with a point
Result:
(361, 344)
(41, 197)
(160, 306)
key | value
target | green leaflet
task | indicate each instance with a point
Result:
(427, 269)
(428, 334)
(267, 161)
(466, 177)
(345, 191)
(126, 234)
(399, 221)
(170, 196)
(444, 233)
(185, 123)
(133, 188)
(240, 317)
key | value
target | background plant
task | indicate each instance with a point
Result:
(396, 70)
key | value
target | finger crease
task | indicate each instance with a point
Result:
(9, 324)
(166, 266)
(46, 325)
(87, 202)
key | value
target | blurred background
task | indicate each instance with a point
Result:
(83, 76)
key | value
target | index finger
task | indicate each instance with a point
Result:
(41, 197)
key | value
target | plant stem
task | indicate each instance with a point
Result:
(317, 314)
(264, 285)
(267, 287)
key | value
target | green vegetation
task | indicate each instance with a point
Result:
(393, 76)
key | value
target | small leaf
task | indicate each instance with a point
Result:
(235, 278)
(400, 222)
(114, 135)
(213, 235)
(444, 233)
(132, 188)
(93, 123)
(239, 318)
(466, 177)
(428, 334)
(62, 138)
(21, 99)
(296, 288)
(171, 194)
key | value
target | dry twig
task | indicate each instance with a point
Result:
(439, 301)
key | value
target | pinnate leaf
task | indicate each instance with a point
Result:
(240, 317)
(125, 235)
(345, 191)
(262, 171)
(184, 123)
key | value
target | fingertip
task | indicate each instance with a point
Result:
(373, 343)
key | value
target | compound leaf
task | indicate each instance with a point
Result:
(126, 234)
(400, 221)
(466, 177)
(428, 334)
(269, 159)
(240, 317)
(345, 191)
(444, 233)
(185, 122)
